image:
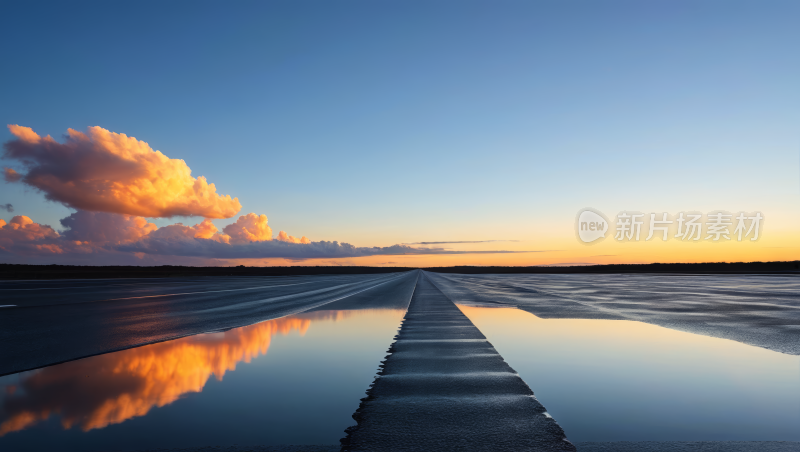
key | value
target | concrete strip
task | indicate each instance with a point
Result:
(444, 387)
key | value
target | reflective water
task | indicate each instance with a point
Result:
(619, 380)
(759, 310)
(292, 380)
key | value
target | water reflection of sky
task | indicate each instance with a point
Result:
(293, 380)
(614, 380)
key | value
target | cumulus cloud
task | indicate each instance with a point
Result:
(7, 207)
(103, 171)
(91, 238)
(205, 230)
(284, 237)
(115, 182)
(98, 237)
(22, 235)
(249, 228)
(23, 228)
(255, 228)
(102, 227)
(178, 232)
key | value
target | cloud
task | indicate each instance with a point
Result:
(249, 228)
(91, 238)
(103, 171)
(7, 207)
(10, 175)
(284, 237)
(23, 228)
(178, 232)
(102, 227)
(184, 245)
(115, 182)
(473, 241)
(103, 238)
(255, 228)
(22, 235)
(205, 230)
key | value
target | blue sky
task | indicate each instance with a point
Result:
(385, 122)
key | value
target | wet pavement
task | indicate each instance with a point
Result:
(292, 380)
(285, 360)
(444, 387)
(58, 321)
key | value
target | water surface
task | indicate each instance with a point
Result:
(620, 380)
(760, 310)
(291, 380)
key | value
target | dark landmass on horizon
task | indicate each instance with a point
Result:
(25, 271)
(680, 268)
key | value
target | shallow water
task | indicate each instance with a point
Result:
(760, 310)
(292, 380)
(620, 380)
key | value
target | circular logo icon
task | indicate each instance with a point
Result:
(591, 225)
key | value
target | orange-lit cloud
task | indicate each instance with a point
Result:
(103, 171)
(101, 227)
(205, 230)
(249, 228)
(109, 389)
(178, 233)
(116, 181)
(102, 238)
(49, 248)
(10, 175)
(284, 237)
(22, 235)
(24, 134)
(22, 229)
(90, 238)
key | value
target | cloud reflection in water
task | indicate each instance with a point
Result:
(108, 389)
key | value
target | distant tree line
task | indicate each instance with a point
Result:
(698, 268)
(23, 271)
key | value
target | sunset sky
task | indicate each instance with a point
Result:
(388, 124)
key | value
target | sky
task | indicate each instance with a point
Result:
(385, 124)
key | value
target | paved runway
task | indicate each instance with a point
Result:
(444, 387)
(56, 321)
